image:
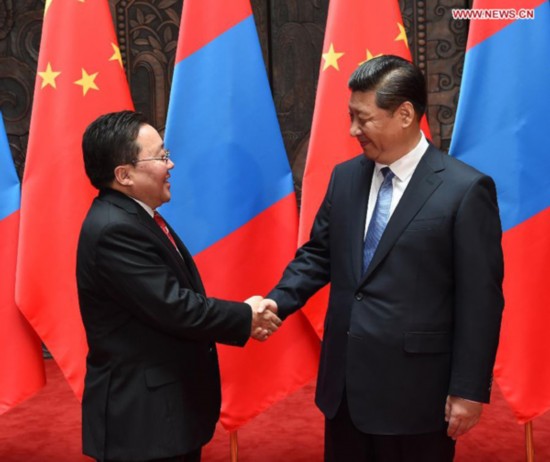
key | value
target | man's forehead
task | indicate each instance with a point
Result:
(362, 101)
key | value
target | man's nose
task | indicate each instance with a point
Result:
(354, 128)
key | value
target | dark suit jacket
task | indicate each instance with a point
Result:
(152, 387)
(423, 322)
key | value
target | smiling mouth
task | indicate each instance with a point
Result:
(363, 142)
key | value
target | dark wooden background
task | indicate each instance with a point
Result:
(291, 34)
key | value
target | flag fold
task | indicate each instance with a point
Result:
(500, 129)
(21, 363)
(80, 76)
(233, 200)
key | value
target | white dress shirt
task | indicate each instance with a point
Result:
(148, 209)
(403, 170)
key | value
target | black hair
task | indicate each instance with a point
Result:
(110, 141)
(394, 81)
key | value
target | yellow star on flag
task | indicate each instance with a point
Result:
(116, 54)
(402, 35)
(331, 58)
(48, 76)
(87, 81)
(370, 56)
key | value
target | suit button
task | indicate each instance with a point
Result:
(359, 296)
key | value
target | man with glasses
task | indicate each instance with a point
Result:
(152, 387)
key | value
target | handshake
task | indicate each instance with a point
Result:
(264, 317)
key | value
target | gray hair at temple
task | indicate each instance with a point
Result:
(394, 80)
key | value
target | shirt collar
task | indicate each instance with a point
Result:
(404, 167)
(148, 209)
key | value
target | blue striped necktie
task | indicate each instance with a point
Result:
(379, 218)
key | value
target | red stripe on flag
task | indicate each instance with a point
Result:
(526, 318)
(485, 28)
(200, 25)
(21, 364)
(251, 261)
(262, 248)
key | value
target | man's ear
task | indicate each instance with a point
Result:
(122, 175)
(406, 113)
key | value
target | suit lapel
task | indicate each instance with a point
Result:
(424, 181)
(186, 266)
(183, 259)
(189, 262)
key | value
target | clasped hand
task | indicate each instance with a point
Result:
(264, 317)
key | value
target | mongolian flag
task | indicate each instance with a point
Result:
(80, 76)
(357, 30)
(233, 200)
(500, 129)
(21, 364)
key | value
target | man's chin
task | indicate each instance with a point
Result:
(370, 155)
(166, 197)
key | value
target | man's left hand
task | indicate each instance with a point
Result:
(462, 415)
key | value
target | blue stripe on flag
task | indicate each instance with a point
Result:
(502, 119)
(10, 191)
(224, 138)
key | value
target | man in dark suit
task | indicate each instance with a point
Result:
(152, 387)
(413, 256)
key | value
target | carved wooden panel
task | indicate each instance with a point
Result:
(148, 34)
(20, 29)
(437, 45)
(291, 35)
(297, 30)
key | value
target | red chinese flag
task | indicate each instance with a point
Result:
(80, 76)
(356, 31)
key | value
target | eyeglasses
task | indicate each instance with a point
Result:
(164, 158)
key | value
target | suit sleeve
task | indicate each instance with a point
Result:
(134, 275)
(310, 269)
(479, 269)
